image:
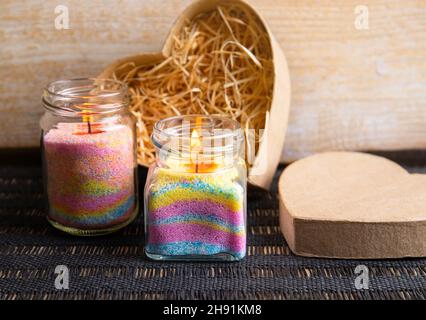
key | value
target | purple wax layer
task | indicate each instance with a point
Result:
(204, 207)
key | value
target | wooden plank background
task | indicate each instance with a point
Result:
(351, 89)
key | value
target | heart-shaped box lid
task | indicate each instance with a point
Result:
(352, 205)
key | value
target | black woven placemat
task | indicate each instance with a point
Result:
(114, 267)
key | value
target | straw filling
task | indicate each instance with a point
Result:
(220, 63)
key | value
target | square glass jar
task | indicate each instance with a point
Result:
(195, 194)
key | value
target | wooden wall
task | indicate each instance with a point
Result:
(351, 89)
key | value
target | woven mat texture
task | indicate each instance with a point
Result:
(114, 266)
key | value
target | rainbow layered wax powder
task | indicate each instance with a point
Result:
(196, 209)
(200, 215)
(90, 181)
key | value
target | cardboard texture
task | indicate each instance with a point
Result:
(270, 149)
(352, 205)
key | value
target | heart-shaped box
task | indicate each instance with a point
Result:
(353, 205)
(267, 156)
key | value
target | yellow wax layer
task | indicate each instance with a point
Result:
(170, 186)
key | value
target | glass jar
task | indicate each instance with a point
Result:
(195, 194)
(89, 156)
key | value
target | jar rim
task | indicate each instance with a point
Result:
(218, 133)
(234, 128)
(71, 96)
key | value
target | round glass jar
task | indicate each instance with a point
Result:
(89, 156)
(195, 193)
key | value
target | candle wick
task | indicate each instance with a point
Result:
(87, 117)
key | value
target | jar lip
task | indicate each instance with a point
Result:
(235, 126)
(70, 96)
(85, 82)
(220, 133)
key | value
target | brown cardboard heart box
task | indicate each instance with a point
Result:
(219, 57)
(352, 205)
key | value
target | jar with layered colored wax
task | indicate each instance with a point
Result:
(195, 194)
(89, 156)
